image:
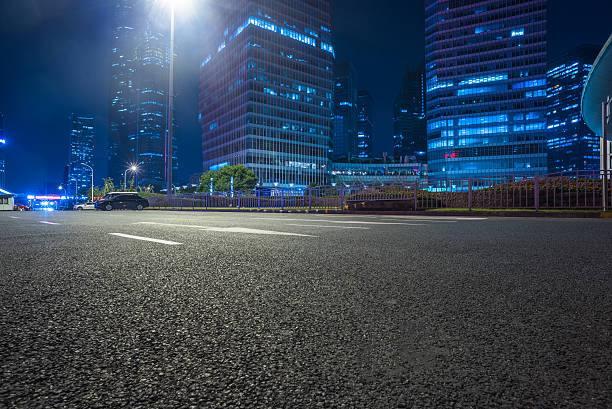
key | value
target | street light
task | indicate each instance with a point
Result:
(92, 177)
(133, 168)
(174, 4)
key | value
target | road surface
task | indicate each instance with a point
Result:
(179, 309)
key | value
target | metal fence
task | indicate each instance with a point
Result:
(578, 190)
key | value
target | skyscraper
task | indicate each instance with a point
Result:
(2, 153)
(409, 124)
(344, 139)
(571, 144)
(486, 87)
(139, 95)
(266, 91)
(122, 110)
(82, 139)
(365, 124)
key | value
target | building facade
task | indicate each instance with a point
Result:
(409, 123)
(2, 153)
(266, 91)
(365, 124)
(344, 139)
(82, 148)
(571, 144)
(377, 172)
(486, 87)
(139, 95)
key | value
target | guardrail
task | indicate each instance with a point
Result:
(577, 190)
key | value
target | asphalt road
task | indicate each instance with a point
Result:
(298, 311)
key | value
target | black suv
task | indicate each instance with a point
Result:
(120, 200)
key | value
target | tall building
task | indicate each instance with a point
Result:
(571, 144)
(139, 95)
(409, 124)
(82, 140)
(486, 87)
(365, 124)
(2, 153)
(122, 109)
(344, 139)
(266, 91)
(149, 148)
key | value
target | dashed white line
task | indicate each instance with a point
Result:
(328, 227)
(229, 229)
(339, 221)
(129, 236)
(46, 222)
(14, 217)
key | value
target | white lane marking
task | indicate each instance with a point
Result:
(340, 221)
(328, 227)
(471, 218)
(229, 229)
(14, 217)
(409, 219)
(45, 222)
(129, 236)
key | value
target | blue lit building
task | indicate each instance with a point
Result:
(2, 153)
(122, 108)
(344, 139)
(139, 95)
(365, 124)
(571, 144)
(377, 172)
(485, 64)
(409, 124)
(266, 91)
(82, 142)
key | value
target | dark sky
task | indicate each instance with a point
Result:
(55, 57)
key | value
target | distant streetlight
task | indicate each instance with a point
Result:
(92, 182)
(132, 168)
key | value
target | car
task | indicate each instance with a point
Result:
(85, 206)
(21, 208)
(122, 200)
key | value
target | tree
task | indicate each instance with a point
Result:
(244, 179)
(108, 187)
(205, 181)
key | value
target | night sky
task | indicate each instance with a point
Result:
(55, 60)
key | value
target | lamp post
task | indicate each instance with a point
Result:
(92, 182)
(170, 102)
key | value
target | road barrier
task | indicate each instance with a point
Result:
(569, 191)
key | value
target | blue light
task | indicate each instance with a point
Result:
(218, 166)
(519, 32)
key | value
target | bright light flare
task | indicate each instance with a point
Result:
(179, 6)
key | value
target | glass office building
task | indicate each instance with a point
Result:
(139, 95)
(571, 144)
(486, 87)
(82, 142)
(409, 124)
(122, 109)
(344, 139)
(365, 124)
(266, 91)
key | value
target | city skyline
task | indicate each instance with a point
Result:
(48, 74)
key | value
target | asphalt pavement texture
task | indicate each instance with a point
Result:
(255, 310)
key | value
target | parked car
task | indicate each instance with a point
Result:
(85, 206)
(122, 200)
(21, 208)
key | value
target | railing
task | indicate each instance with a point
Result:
(321, 198)
(577, 190)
